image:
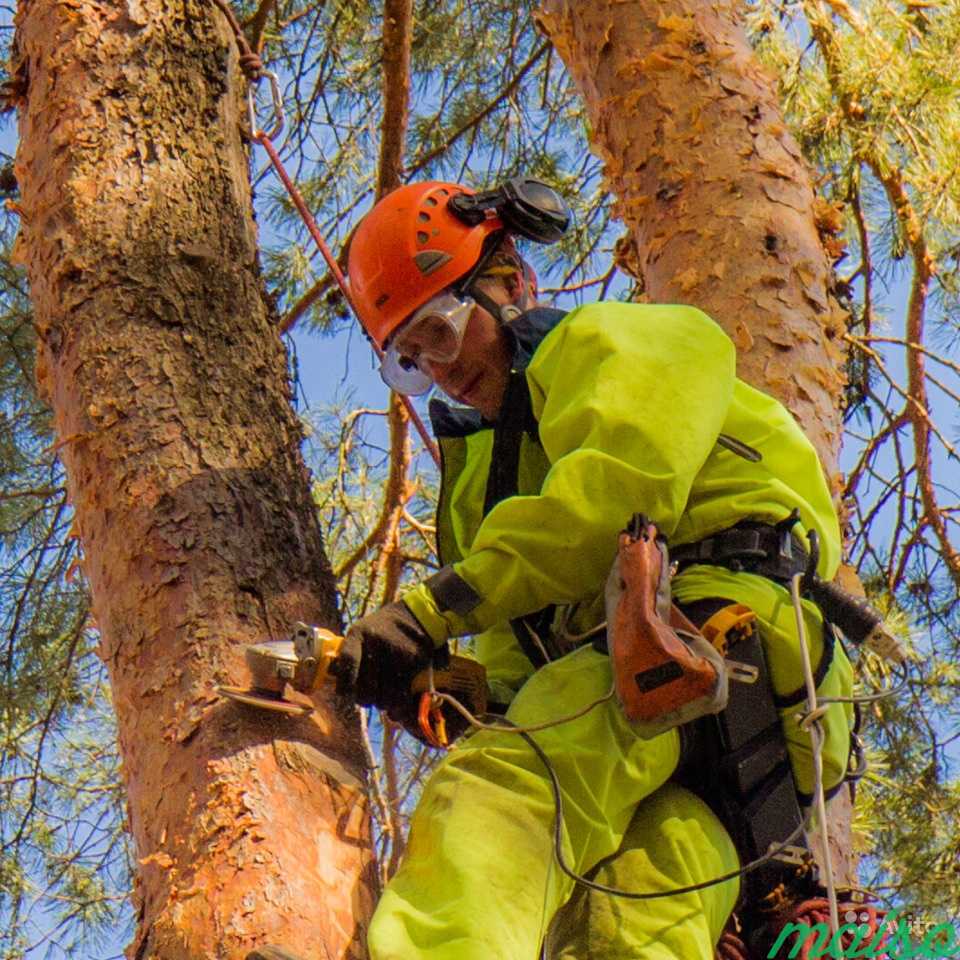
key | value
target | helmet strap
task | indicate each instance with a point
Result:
(529, 299)
(504, 312)
(469, 283)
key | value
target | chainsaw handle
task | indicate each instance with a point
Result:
(853, 615)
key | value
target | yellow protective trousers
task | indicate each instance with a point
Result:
(479, 880)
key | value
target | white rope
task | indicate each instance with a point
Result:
(475, 721)
(810, 722)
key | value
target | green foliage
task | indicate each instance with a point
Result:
(489, 99)
(872, 92)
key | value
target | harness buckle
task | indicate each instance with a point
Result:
(741, 672)
(793, 855)
(728, 626)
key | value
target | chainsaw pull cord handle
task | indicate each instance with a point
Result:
(254, 70)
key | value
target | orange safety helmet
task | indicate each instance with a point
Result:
(408, 248)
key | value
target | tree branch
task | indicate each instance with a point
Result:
(890, 176)
(479, 117)
(866, 266)
(916, 379)
(397, 37)
(391, 562)
(254, 25)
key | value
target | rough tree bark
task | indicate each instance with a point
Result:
(160, 357)
(717, 199)
(712, 187)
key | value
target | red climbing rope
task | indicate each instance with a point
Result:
(863, 923)
(254, 71)
(265, 140)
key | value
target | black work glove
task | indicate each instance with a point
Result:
(380, 656)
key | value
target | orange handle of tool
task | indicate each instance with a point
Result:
(463, 678)
(431, 722)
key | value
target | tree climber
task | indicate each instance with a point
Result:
(562, 427)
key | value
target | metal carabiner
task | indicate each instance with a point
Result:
(431, 721)
(277, 97)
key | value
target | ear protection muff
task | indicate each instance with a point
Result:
(527, 208)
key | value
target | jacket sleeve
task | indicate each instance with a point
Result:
(630, 400)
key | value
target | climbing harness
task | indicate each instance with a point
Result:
(755, 765)
(774, 551)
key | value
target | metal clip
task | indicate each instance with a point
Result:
(742, 672)
(785, 528)
(813, 561)
(431, 721)
(812, 717)
(276, 96)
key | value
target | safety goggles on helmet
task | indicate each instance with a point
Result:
(433, 334)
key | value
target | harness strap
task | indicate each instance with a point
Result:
(826, 661)
(516, 418)
(737, 762)
(770, 550)
(774, 552)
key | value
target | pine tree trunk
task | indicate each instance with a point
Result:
(712, 187)
(717, 199)
(160, 357)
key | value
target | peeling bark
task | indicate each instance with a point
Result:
(718, 201)
(713, 188)
(161, 360)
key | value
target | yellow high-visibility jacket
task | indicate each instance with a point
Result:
(627, 403)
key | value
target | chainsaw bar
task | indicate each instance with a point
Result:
(265, 701)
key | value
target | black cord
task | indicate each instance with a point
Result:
(628, 894)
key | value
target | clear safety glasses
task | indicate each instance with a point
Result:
(433, 334)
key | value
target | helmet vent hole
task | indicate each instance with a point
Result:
(445, 191)
(429, 260)
(424, 217)
(431, 201)
(381, 300)
(422, 236)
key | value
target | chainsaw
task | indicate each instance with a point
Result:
(285, 673)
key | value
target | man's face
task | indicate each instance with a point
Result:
(479, 374)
